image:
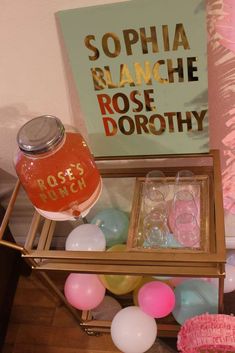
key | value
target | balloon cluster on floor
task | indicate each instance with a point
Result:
(134, 328)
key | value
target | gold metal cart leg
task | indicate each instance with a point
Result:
(31, 262)
(51, 286)
(221, 290)
(46, 279)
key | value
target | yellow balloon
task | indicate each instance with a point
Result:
(120, 284)
(117, 247)
(145, 280)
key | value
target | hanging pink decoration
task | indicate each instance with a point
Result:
(226, 27)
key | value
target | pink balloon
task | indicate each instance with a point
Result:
(156, 299)
(84, 291)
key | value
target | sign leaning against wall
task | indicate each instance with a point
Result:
(140, 69)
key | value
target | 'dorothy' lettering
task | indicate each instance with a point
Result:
(155, 124)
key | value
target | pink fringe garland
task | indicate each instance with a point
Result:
(208, 333)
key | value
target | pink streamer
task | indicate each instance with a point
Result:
(221, 70)
(226, 27)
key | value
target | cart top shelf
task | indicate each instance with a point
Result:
(205, 262)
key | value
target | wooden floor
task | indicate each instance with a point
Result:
(40, 324)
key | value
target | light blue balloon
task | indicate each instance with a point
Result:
(114, 224)
(170, 242)
(194, 297)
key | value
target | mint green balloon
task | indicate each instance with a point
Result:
(114, 224)
(194, 297)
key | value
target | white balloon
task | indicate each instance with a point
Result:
(133, 331)
(229, 282)
(231, 257)
(86, 237)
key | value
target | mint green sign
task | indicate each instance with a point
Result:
(140, 69)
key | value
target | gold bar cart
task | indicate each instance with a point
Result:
(208, 261)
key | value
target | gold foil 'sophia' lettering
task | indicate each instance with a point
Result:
(148, 40)
(180, 38)
(151, 39)
(64, 191)
(115, 42)
(162, 71)
(89, 45)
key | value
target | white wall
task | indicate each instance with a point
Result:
(32, 73)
